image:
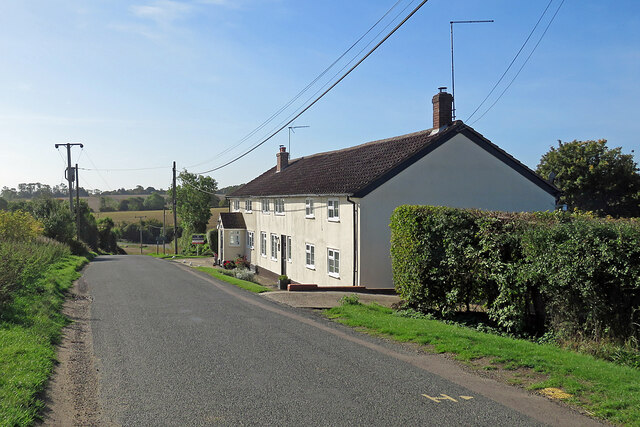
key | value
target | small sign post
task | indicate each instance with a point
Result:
(197, 239)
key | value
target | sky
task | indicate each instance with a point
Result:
(144, 83)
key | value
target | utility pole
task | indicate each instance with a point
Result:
(70, 171)
(144, 216)
(164, 220)
(77, 204)
(175, 215)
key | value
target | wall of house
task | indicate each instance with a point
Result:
(229, 251)
(457, 174)
(319, 231)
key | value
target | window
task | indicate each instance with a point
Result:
(250, 239)
(278, 206)
(333, 261)
(265, 206)
(236, 205)
(274, 246)
(289, 248)
(308, 208)
(263, 243)
(333, 211)
(234, 238)
(310, 261)
(247, 206)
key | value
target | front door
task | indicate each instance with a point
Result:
(283, 254)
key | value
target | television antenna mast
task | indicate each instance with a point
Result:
(453, 84)
(292, 129)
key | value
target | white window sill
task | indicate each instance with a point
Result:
(311, 267)
(289, 261)
(334, 219)
(310, 216)
(334, 275)
(266, 213)
(279, 213)
(248, 212)
(263, 255)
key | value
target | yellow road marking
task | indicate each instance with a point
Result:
(466, 397)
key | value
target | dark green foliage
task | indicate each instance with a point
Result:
(194, 201)
(4, 205)
(594, 177)
(154, 202)
(569, 274)
(107, 239)
(107, 204)
(59, 223)
(212, 239)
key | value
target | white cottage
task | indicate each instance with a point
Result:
(324, 219)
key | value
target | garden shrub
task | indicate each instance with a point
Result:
(568, 274)
(244, 274)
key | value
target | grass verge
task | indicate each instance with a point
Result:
(249, 286)
(30, 327)
(609, 391)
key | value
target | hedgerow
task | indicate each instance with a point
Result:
(565, 273)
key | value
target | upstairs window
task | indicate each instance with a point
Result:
(265, 206)
(308, 208)
(333, 211)
(278, 206)
(236, 205)
(250, 239)
(247, 206)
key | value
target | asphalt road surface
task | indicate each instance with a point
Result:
(176, 347)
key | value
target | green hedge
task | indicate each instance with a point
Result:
(570, 274)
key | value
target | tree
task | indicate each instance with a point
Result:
(4, 205)
(194, 201)
(594, 177)
(154, 202)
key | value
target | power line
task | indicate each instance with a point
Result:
(512, 61)
(195, 187)
(326, 91)
(299, 94)
(97, 170)
(523, 65)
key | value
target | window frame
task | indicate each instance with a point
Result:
(310, 255)
(277, 205)
(263, 244)
(265, 206)
(236, 205)
(332, 263)
(274, 246)
(289, 251)
(234, 238)
(250, 240)
(308, 208)
(248, 206)
(333, 210)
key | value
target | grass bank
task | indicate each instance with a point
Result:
(609, 391)
(30, 327)
(249, 286)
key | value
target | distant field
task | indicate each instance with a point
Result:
(130, 216)
(94, 201)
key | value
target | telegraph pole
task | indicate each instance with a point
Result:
(144, 216)
(164, 221)
(70, 171)
(77, 204)
(175, 215)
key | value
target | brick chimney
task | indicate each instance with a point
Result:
(282, 159)
(442, 109)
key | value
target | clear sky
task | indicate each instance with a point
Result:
(144, 83)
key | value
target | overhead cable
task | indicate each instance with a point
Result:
(422, 3)
(299, 94)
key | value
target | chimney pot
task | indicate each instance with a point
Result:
(442, 109)
(282, 158)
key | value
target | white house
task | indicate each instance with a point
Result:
(324, 219)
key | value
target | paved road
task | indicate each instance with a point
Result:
(175, 347)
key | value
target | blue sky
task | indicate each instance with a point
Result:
(147, 82)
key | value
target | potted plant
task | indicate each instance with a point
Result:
(283, 281)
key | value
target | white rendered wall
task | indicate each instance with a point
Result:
(457, 174)
(319, 231)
